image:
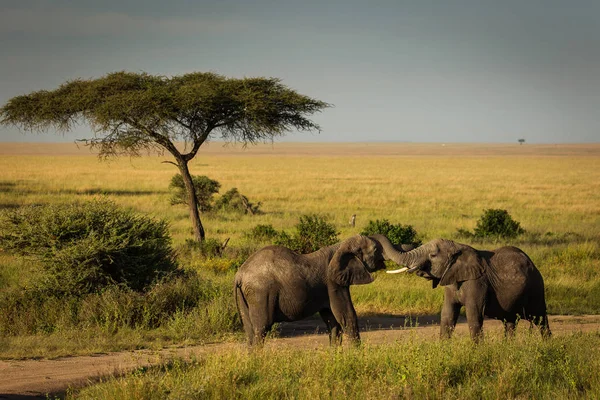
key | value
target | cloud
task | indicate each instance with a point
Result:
(66, 22)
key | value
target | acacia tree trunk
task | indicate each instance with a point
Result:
(199, 234)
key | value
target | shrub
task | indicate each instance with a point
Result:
(234, 201)
(311, 233)
(84, 247)
(262, 233)
(204, 186)
(497, 223)
(397, 233)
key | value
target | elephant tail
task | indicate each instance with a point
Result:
(241, 303)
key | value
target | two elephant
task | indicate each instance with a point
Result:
(276, 284)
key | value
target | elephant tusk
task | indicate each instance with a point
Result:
(397, 271)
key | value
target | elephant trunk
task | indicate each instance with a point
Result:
(390, 252)
(408, 259)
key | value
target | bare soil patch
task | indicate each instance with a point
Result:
(30, 379)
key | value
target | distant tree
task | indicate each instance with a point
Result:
(521, 141)
(134, 112)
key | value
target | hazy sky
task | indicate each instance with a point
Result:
(419, 71)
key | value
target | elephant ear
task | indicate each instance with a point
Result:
(346, 267)
(464, 266)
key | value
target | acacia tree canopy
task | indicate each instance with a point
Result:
(133, 112)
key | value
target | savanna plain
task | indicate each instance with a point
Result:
(552, 190)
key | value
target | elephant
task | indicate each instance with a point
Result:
(275, 284)
(502, 284)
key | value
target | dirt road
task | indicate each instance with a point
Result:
(31, 379)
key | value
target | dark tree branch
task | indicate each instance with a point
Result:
(197, 143)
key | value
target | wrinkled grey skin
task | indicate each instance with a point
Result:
(502, 284)
(276, 284)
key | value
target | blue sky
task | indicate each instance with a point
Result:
(417, 71)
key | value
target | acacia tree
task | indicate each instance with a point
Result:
(131, 113)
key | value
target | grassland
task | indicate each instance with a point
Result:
(436, 189)
(552, 190)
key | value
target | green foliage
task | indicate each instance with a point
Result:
(204, 186)
(262, 233)
(84, 247)
(234, 201)
(311, 233)
(496, 223)
(397, 233)
(138, 111)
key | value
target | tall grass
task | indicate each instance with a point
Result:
(528, 367)
(190, 309)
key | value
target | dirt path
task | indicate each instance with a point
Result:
(30, 379)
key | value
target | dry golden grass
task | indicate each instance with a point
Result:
(437, 189)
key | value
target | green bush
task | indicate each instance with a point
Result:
(262, 233)
(84, 247)
(497, 223)
(234, 201)
(204, 186)
(397, 233)
(311, 233)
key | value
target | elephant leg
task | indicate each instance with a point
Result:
(344, 313)
(536, 314)
(542, 323)
(244, 312)
(545, 327)
(248, 329)
(475, 321)
(333, 327)
(262, 318)
(450, 313)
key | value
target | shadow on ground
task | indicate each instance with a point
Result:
(53, 396)
(366, 323)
